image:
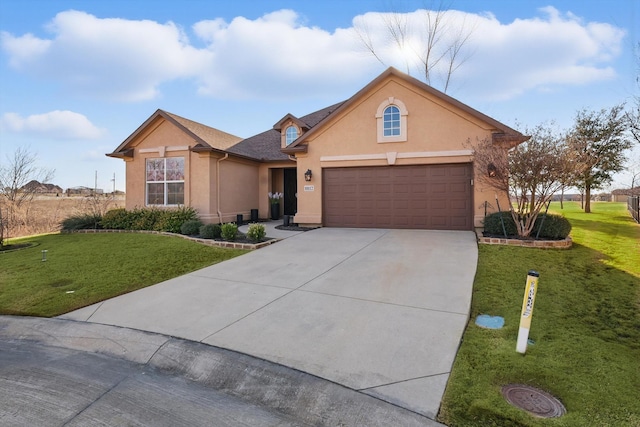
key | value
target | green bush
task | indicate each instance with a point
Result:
(82, 222)
(229, 231)
(172, 219)
(493, 226)
(256, 232)
(554, 227)
(144, 218)
(210, 231)
(191, 227)
(148, 219)
(116, 219)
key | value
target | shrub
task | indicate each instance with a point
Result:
(144, 218)
(172, 219)
(116, 219)
(210, 231)
(82, 222)
(256, 232)
(229, 231)
(554, 227)
(149, 219)
(493, 226)
(191, 227)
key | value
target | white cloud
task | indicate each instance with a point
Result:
(108, 58)
(538, 53)
(279, 56)
(55, 124)
(276, 56)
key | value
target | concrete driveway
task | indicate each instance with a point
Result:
(379, 311)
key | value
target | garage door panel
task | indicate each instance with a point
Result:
(425, 196)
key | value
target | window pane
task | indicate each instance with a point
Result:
(391, 121)
(291, 134)
(175, 169)
(155, 169)
(155, 194)
(175, 193)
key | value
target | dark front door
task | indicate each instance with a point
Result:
(290, 190)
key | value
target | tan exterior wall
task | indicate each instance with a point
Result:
(271, 179)
(239, 189)
(238, 177)
(436, 133)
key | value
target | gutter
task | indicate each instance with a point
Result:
(226, 156)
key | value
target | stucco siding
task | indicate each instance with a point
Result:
(437, 133)
(239, 184)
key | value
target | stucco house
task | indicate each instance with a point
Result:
(394, 155)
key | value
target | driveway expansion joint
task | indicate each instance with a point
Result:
(94, 311)
(395, 304)
(403, 381)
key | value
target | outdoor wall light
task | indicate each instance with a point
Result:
(308, 175)
(492, 170)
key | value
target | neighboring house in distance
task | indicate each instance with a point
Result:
(621, 195)
(83, 191)
(394, 155)
(34, 186)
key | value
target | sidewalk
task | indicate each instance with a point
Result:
(272, 231)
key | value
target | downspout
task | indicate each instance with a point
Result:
(226, 156)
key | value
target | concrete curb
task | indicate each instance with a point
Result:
(306, 398)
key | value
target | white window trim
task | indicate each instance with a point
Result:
(165, 184)
(285, 134)
(403, 121)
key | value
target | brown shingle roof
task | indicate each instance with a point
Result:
(205, 137)
(212, 136)
(265, 146)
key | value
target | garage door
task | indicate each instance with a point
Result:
(434, 197)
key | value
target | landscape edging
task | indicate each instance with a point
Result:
(208, 242)
(541, 244)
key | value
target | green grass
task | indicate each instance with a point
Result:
(586, 328)
(95, 267)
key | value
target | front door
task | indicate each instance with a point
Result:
(290, 191)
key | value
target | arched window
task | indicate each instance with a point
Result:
(391, 121)
(391, 117)
(291, 134)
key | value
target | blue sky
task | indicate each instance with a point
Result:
(78, 77)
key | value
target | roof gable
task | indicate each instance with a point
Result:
(503, 132)
(265, 146)
(205, 137)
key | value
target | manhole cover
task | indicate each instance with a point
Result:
(534, 401)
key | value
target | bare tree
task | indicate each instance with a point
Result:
(598, 141)
(528, 174)
(434, 43)
(15, 195)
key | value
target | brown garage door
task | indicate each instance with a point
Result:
(434, 197)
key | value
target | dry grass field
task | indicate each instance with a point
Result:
(44, 213)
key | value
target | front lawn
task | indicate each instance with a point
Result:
(82, 269)
(585, 328)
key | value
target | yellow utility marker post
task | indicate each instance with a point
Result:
(527, 311)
